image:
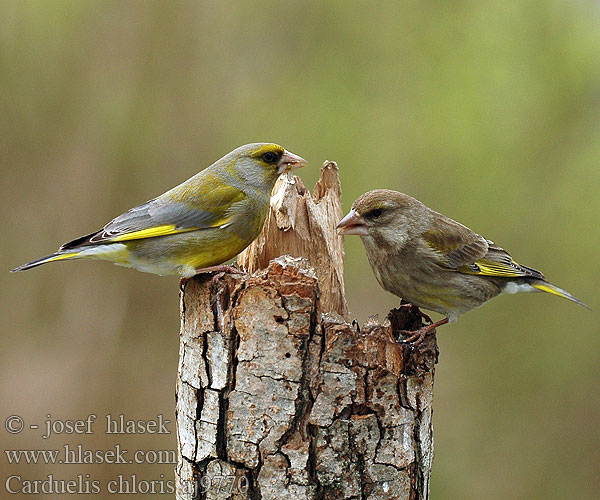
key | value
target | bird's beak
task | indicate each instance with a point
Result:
(290, 161)
(353, 223)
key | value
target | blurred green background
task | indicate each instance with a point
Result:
(486, 111)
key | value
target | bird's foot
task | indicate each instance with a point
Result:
(413, 308)
(221, 268)
(219, 271)
(415, 337)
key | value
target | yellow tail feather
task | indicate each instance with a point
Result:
(554, 290)
(64, 256)
(48, 258)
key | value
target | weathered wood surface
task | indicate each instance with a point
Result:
(303, 225)
(279, 398)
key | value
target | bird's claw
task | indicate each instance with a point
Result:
(219, 271)
(416, 337)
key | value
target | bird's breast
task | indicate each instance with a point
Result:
(196, 249)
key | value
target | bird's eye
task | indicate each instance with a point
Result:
(373, 214)
(270, 157)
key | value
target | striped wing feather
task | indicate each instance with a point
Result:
(460, 249)
(163, 216)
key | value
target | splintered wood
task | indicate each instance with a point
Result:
(279, 397)
(303, 225)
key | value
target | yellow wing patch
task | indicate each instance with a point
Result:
(485, 267)
(164, 230)
(152, 232)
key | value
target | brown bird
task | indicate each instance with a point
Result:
(434, 262)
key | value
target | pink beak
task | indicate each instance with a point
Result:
(290, 161)
(353, 223)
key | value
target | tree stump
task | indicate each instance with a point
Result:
(278, 395)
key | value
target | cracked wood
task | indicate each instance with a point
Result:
(279, 397)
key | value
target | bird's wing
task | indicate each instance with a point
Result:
(460, 249)
(455, 245)
(499, 263)
(171, 213)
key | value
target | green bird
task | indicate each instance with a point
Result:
(205, 221)
(434, 262)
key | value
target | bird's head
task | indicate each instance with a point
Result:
(385, 215)
(263, 162)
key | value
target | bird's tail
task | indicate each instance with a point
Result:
(544, 286)
(60, 255)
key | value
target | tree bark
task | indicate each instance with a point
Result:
(278, 396)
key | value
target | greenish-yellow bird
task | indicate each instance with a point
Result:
(432, 261)
(205, 221)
